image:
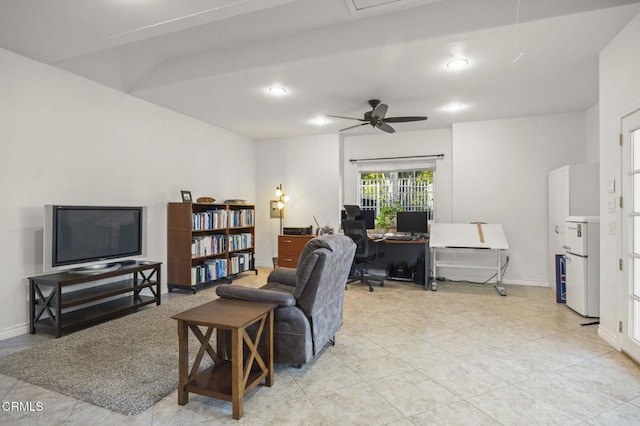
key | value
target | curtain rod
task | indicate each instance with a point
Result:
(355, 160)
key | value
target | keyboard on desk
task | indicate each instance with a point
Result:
(400, 238)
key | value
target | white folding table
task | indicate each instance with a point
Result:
(488, 236)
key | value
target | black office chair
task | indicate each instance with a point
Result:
(366, 252)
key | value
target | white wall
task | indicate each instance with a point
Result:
(592, 134)
(66, 140)
(308, 169)
(500, 176)
(493, 171)
(429, 142)
(619, 95)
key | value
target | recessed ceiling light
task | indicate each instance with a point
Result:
(277, 90)
(457, 64)
(320, 121)
(454, 107)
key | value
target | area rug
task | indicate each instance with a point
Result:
(124, 365)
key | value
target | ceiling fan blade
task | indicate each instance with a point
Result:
(340, 116)
(353, 127)
(403, 119)
(380, 111)
(385, 127)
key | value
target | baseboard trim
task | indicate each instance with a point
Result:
(610, 338)
(529, 283)
(17, 330)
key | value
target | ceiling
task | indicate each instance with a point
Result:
(214, 59)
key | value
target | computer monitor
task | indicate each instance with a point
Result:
(352, 211)
(367, 216)
(413, 222)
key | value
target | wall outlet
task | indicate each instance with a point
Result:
(612, 228)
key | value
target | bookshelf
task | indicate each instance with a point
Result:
(208, 242)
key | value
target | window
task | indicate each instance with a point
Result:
(408, 190)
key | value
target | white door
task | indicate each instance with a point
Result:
(576, 280)
(630, 306)
(558, 212)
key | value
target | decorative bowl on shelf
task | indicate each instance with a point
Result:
(206, 200)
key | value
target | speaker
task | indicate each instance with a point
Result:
(404, 271)
(418, 276)
(391, 270)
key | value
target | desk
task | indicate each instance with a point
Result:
(465, 236)
(232, 375)
(395, 251)
(407, 251)
(290, 247)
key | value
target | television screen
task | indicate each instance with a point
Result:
(81, 234)
(413, 222)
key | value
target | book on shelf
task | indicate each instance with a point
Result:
(240, 262)
(240, 241)
(209, 270)
(241, 218)
(211, 219)
(208, 245)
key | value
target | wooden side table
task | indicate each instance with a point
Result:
(232, 375)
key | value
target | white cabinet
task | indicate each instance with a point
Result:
(573, 191)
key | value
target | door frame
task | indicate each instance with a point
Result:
(628, 123)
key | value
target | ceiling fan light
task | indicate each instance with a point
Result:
(458, 64)
(320, 121)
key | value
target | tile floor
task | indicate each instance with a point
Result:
(461, 355)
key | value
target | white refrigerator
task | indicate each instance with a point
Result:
(582, 256)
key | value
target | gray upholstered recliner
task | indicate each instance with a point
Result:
(310, 298)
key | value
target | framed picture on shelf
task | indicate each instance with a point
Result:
(186, 196)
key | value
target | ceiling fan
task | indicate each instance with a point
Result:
(376, 118)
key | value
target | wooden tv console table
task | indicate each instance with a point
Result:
(54, 295)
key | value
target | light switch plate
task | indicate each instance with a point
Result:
(612, 228)
(612, 204)
(612, 185)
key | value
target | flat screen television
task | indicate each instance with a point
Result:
(412, 222)
(92, 238)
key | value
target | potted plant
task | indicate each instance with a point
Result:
(387, 217)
